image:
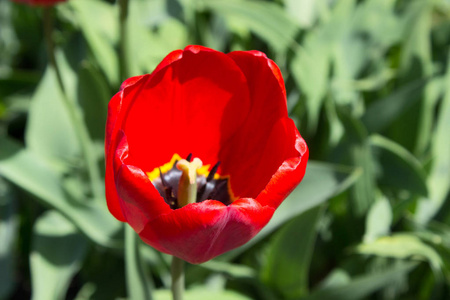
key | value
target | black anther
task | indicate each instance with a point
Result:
(163, 180)
(213, 171)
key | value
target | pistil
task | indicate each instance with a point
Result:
(187, 187)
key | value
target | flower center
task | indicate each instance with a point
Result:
(184, 181)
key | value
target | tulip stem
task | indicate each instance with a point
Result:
(73, 111)
(48, 31)
(177, 270)
(123, 51)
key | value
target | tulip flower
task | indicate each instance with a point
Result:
(39, 2)
(201, 152)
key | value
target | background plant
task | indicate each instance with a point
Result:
(368, 85)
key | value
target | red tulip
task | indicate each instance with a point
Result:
(227, 108)
(40, 2)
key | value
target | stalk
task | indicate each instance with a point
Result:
(74, 114)
(123, 48)
(177, 272)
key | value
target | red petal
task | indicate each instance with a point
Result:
(169, 59)
(116, 104)
(138, 198)
(197, 48)
(111, 143)
(220, 107)
(117, 108)
(200, 231)
(114, 108)
(244, 60)
(194, 105)
(290, 172)
(256, 152)
(112, 199)
(253, 171)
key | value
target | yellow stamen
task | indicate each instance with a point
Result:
(164, 168)
(203, 170)
(187, 188)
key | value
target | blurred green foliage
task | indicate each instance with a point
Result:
(368, 84)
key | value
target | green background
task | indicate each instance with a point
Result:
(368, 85)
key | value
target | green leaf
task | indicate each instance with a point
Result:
(364, 189)
(87, 291)
(379, 219)
(417, 24)
(170, 35)
(321, 182)
(310, 68)
(98, 21)
(439, 179)
(381, 113)
(237, 271)
(93, 96)
(436, 233)
(403, 246)
(267, 20)
(334, 123)
(417, 60)
(362, 286)
(56, 255)
(305, 12)
(348, 52)
(287, 265)
(399, 168)
(384, 32)
(336, 278)
(32, 173)
(434, 90)
(149, 27)
(137, 281)
(8, 236)
(102, 275)
(50, 132)
(9, 44)
(329, 46)
(202, 294)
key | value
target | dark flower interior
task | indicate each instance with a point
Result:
(208, 187)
